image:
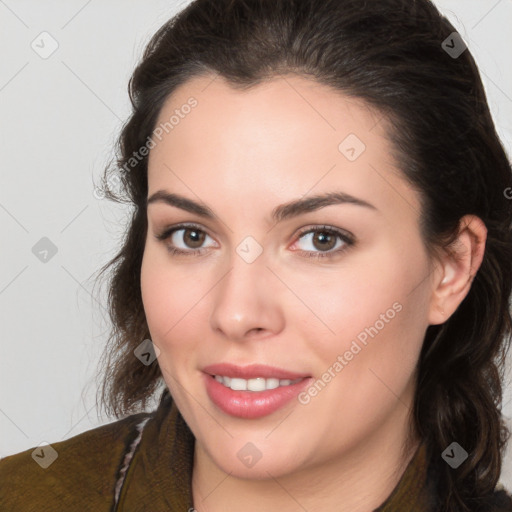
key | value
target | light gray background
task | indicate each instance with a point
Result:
(59, 118)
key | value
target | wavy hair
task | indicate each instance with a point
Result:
(390, 54)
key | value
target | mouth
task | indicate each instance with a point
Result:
(252, 371)
(253, 391)
(256, 384)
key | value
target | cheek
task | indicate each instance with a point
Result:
(171, 302)
(153, 290)
(170, 295)
(375, 303)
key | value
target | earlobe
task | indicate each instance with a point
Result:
(456, 269)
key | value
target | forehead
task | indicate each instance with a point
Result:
(286, 102)
(289, 133)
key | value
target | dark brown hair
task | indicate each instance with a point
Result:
(388, 53)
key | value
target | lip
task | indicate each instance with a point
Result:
(251, 404)
(252, 371)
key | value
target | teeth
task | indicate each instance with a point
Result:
(272, 383)
(257, 384)
(238, 384)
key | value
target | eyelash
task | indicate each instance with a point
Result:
(346, 238)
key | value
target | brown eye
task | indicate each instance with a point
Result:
(323, 240)
(193, 238)
(185, 240)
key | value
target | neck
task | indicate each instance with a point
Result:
(358, 480)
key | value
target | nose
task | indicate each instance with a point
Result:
(246, 302)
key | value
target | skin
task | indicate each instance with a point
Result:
(243, 153)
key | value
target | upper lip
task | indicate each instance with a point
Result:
(251, 371)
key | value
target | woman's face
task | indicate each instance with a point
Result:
(334, 292)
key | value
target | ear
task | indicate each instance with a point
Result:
(456, 268)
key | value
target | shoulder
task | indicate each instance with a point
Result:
(74, 474)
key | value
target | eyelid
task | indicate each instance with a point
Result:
(347, 237)
(167, 232)
(342, 233)
(302, 231)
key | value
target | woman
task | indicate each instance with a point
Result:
(316, 274)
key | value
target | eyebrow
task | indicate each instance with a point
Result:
(280, 213)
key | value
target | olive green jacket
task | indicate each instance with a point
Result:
(144, 463)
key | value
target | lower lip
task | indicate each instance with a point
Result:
(251, 404)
